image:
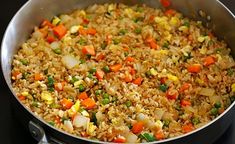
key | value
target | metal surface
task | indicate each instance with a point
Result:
(34, 11)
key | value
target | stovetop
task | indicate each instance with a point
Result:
(11, 131)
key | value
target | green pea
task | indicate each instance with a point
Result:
(217, 105)
(122, 32)
(24, 61)
(82, 41)
(214, 111)
(128, 103)
(187, 24)
(163, 87)
(166, 123)
(82, 61)
(195, 120)
(57, 51)
(148, 73)
(98, 92)
(73, 80)
(93, 70)
(90, 75)
(126, 54)
(116, 41)
(50, 81)
(105, 95)
(105, 101)
(106, 69)
(138, 30)
(51, 123)
(166, 45)
(103, 45)
(81, 88)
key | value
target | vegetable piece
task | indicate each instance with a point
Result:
(106, 69)
(51, 123)
(128, 78)
(16, 75)
(214, 111)
(88, 50)
(24, 61)
(105, 101)
(195, 120)
(82, 96)
(99, 74)
(122, 32)
(153, 71)
(217, 105)
(119, 139)
(187, 128)
(129, 59)
(21, 97)
(163, 87)
(172, 94)
(159, 135)
(207, 92)
(115, 68)
(70, 61)
(185, 103)
(137, 127)
(92, 70)
(38, 77)
(128, 103)
(132, 71)
(131, 138)
(60, 31)
(184, 87)
(100, 57)
(152, 43)
(88, 103)
(165, 3)
(59, 86)
(138, 30)
(148, 137)
(74, 109)
(195, 68)
(137, 81)
(82, 31)
(66, 103)
(57, 51)
(116, 41)
(91, 31)
(56, 20)
(170, 12)
(80, 121)
(209, 60)
(50, 38)
(68, 125)
(46, 23)
(46, 96)
(81, 88)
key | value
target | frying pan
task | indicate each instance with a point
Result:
(212, 13)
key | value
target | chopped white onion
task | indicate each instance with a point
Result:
(207, 92)
(80, 121)
(141, 117)
(70, 61)
(68, 125)
(131, 138)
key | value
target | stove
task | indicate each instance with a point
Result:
(11, 131)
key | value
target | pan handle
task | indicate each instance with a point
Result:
(37, 133)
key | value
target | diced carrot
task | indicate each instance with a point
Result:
(209, 60)
(100, 56)
(38, 76)
(21, 97)
(88, 103)
(159, 135)
(84, 134)
(66, 103)
(129, 59)
(128, 78)
(151, 18)
(50, 38)
(108, 39)
(163, 80)
(99, 74)
(185, 103)
(221, 110)
(91, 31)
(125, 48)
(187, 128)
(172, 94)
(86, 21)
(195, 68)
(44, 32)
(46, 23)
(132, 71)
(16, 75)
(152, 43)
(170, 12)
(82, 31)
(137, 127)
(116, 67)
(57, 120)
(59, 86)
(88, 50)
(137, 81)
(119, 139)
(82, 96)
(184, 87)
(165, 3)
(59, 31)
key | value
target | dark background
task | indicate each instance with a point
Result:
(11, 131)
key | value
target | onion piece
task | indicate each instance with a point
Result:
(207, 91)
(70, 61)
(130, 137)
(80, 121)
(159, 113)
(68, 125)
